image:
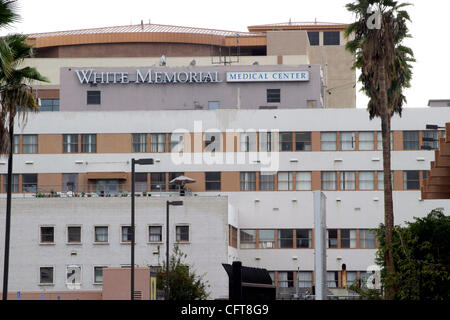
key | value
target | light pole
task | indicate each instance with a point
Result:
(133, 163)
(169, 203)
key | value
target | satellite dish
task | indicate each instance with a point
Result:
(162, 60)
(255, 63)
(193, 62)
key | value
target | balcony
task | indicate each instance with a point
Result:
(95, 191)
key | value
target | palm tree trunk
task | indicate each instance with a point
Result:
(388, 203)
(8, 211)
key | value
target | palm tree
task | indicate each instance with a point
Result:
(8, 15)
(385, 72)
(16, 98)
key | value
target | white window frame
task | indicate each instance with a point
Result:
(67, 234)
(93, 269)
(366, 144)
(95, 234)
(121, 234)
(40, 235)
(39, 275)
(299, 182)
(189, 233)
(148, 233)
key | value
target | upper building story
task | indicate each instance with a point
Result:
(150, 45)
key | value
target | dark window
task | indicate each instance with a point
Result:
(29, 143)
(266, 181)
(285, 279)
(313, 37)
(273, 95)
(332, 279)
(285, 238)
(140, 180)
(285, 141)
(14, 182)
(93, 97)
(158, 142)
(182, 233)
(16, 143)
(303, 141)
(430, 139)
(89, 143)
(212, 180)
(46, 275)
(411, 180)
(331, 38)
(248, 181)
(101, 234)
(304, 238)
(127, 234)
(348, 238)
(98, 272)
(139, 142)
(411, 140)
(155, 233)
(49, 105)
(74, 234)
(158, 181)
(29, 182)
(70, 143)
(332, 238)
(47, 234)
(248, 239)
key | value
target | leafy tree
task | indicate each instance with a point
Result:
(184, 284)
(385, 72)
(422, 259)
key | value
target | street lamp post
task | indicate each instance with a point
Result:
(169, 203)
(133, 163)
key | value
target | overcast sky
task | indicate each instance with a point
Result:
(429, 27)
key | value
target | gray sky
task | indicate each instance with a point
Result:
(429, 27)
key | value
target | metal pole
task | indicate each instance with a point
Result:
(8, 215)
(167, 250)
(320, 258)
(132, 229)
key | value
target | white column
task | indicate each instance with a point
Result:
(320, 253)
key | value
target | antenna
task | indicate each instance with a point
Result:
(162, 60)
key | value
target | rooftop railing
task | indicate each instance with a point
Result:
(92, 190)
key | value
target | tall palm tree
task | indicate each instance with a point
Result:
(385, 72)
(16, 98)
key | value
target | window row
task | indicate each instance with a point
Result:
(248, 142)
(330, 38)
(71, 143)
(101, 234)
(303, 238)
(248, 181)
(305, 279)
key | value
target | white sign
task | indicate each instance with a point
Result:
(90, 76)
(266, 76)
